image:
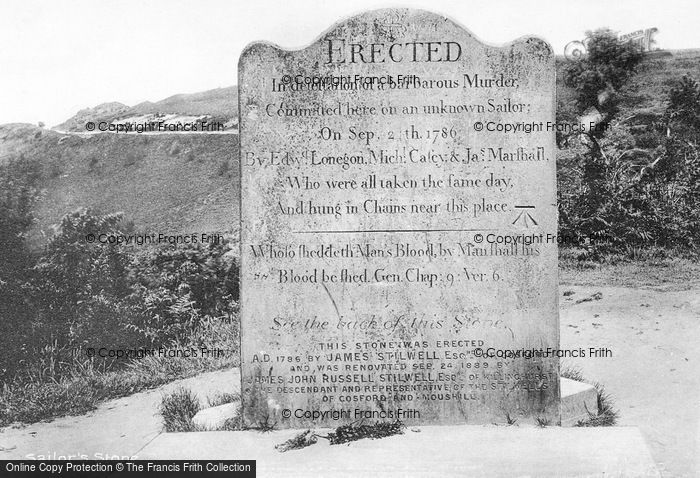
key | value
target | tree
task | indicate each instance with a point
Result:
(79, 281)
(603, 203)
(600, 75)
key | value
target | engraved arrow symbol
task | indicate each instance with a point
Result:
(525, 215)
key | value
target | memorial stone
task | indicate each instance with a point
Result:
(398, 221)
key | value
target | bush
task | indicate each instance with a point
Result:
(80, 284)
(42, 396)
(18, 192)
(86, 294)
(622, 208)
(616, 196)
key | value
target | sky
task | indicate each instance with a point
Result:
(57, 57)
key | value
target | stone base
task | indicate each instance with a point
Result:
(577, 400)
(434, 451)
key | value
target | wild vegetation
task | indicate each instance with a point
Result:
(629, 186)
(177, 409)
(67, 311)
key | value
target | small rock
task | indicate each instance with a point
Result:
(596, 296)
(215, 417)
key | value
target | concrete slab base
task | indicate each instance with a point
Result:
(577, 400)
(434, 451)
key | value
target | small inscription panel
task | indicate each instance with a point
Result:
(398, 203)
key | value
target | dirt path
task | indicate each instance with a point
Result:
(653, 373)
(117, 428)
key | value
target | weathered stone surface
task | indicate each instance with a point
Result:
(398, 190)
(578, 401)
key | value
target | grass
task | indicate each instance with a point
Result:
(572, 373)
(178, 409)
(223, 398)
(265, 425)
(542, 422)
(36, 401)
(511, 420)
(672, 271)
(232, 424)
(606, 415)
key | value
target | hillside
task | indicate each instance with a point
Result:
(175, 183)
(648, 88)
(103, 112)
(220, 105)
(218, 102)
(642, 103)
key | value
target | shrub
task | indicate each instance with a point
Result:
(201, 272)
(616, 196)
(18, 193)
(89, 295)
